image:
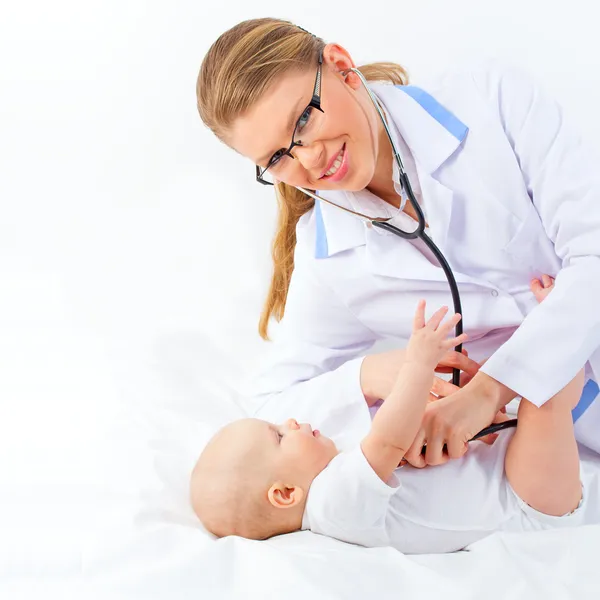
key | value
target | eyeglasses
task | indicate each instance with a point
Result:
(308, 126)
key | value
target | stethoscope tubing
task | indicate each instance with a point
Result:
(420, 233)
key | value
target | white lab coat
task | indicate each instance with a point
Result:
(509, 193)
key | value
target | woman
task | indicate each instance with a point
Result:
(508, 194)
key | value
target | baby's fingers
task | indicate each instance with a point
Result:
(419, 319)
(437, 318)
(447, 327)
(453, 342)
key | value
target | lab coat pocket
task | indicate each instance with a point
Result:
(530, 249)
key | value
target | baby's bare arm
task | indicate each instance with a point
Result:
(398, 420)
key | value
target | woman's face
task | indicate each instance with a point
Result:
(340, 145)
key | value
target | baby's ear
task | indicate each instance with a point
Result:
(285, 496)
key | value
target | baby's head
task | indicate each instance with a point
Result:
(252, 478)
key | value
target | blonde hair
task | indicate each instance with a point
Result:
(235, 73)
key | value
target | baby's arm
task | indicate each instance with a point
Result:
(397, 421)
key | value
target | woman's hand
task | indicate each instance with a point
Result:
(453, 420)
(379, 372)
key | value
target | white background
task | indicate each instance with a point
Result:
(134, 247)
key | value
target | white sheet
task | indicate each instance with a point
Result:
(128, 304)
(167, 550)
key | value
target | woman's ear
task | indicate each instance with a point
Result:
(284, 496)
(340, 62)
(337, 58)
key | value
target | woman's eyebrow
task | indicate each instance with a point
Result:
(293, 118)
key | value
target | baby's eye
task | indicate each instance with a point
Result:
(280, 436)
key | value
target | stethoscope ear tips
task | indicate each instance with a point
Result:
(347, 72)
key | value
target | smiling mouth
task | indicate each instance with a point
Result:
(335, 164)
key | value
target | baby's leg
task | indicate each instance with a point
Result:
(542, 460)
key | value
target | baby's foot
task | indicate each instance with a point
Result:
(542, 288)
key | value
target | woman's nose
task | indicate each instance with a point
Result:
(310, 157)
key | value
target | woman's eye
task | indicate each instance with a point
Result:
(277, 156)
(304, 119)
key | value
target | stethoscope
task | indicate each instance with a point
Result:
(419, 232)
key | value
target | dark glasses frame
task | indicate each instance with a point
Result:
(314, 103)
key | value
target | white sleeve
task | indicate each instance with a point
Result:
(557, 338)
(312, 371)
(348, 501)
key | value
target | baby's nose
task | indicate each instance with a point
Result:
(292, 424)
(305, 427)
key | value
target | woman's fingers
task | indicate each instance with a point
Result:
(434, 452)
(414, 454)
(500, 417)
(456, 448)
(443, 388)
(488, 439)
(466, 377)
(456, 360)
(433, 397)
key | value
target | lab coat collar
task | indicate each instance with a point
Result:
(432, 134)
(429, 129)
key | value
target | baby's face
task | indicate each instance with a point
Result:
(291, 450)
(299, 449)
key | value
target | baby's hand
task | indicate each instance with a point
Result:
(542, 288)
(429, 342)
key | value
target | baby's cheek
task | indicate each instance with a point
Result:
(310, 450)
(303, 451)
(322, 454)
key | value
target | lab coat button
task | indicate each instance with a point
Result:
(495, 293)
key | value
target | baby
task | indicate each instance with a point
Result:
(257, 479)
